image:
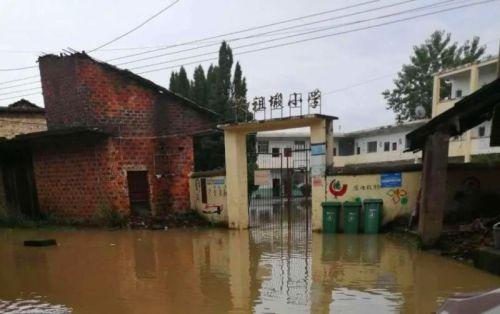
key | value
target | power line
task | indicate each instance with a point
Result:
(338, 90)
(20, 96)
(296, 35)
(18, 69)
(21, 90)
(137, 27)
(23, 84)
(328, 35)
(20, 79)
(251, 28)
(271, 32)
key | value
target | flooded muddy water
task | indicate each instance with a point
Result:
(221, 271)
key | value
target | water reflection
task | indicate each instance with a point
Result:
(263, 270)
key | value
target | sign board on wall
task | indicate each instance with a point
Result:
(318, 149)
(391, 180)
(318, 165)
(262, 178)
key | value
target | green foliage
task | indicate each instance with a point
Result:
(218, 88)
(199, 87)
(414, 83)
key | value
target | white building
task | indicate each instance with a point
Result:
(462, 81)
(378, 145)
(386, 144)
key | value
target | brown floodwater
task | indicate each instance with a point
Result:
(220, 271)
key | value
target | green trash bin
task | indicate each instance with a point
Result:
(331, 212)
(351, 217)
(373, 215)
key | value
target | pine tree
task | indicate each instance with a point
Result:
(212, 87)
(239, 89)
(199, 87)
(183, 86)
(223, 81)
(414, 83)
(173, 82)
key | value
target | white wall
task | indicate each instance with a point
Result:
(298, 159)
(398, 138)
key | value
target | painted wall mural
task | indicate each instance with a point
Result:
(209, 198)
(336, 188)
(398, 191)
(398, 196)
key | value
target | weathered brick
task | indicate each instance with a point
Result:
(149, 131)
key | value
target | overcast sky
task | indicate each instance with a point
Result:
(29, 27)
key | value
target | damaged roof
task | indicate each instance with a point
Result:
(57, 136)
(467, 113)
(139, 80)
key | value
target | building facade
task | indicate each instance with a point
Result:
(115, 141)
(450, 86)
(21, 117)
(381, 145)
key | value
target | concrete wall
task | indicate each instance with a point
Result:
(12, 124)
(215, 208)
(469, 192)
(397, 200)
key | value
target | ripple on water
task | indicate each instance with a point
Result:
(32, 306)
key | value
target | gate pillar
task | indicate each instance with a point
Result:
(236, 179)
(321, 134)
(236, 162)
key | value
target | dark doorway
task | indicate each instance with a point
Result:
(138, 191)
(204, 190)
(276, 188)
(19, 184)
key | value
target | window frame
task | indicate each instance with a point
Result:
(275, 151)
(371, 147)
(387, 146)
(259, 146)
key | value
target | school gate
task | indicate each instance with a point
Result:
(280, 189)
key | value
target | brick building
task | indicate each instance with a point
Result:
(114, 140)
(21, 117)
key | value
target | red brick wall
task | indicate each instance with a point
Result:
(67, 179)
(150, 131)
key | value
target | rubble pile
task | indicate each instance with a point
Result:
(460, 241)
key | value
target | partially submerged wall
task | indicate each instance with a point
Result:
(399, 197)
(150, 129)
(471, 191)
(208, 196)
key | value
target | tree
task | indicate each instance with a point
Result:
(239, 89)
(211, 87)
(199, 86)
(414, 83)
(173, 82)
(179, 83)
(223, 81)
(183, 86)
